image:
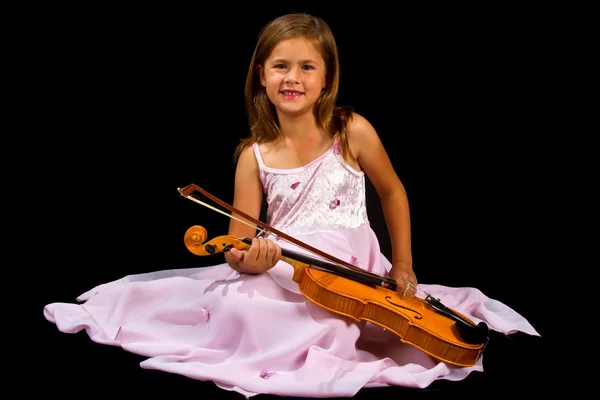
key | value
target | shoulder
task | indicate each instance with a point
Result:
(247, 153)
(359, 125)
(361, 133)
(247, 160)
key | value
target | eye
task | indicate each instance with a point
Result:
(307, 67)
(279, 66)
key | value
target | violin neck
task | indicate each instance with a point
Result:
(365, 278)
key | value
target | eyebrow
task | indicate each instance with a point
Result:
(281, 60)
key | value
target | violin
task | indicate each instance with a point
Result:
(344, 289)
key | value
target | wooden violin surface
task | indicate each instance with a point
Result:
(412, 319)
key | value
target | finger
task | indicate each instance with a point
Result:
(412, 285)
(249, 252)
(263, 251)
(274, 252)
(405, 285)
(278, 253)
(237, 254)
(254, 250)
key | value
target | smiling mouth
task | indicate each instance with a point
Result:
(291, 93)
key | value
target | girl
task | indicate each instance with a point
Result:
(244, 324)
(291, 91)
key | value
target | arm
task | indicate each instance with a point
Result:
(373, 159)
(247, 197)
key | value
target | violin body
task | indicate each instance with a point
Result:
(412, 319)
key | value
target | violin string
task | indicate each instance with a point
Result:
(422, 292)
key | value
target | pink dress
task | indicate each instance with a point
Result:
(257, 334)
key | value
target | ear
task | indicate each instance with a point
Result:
(261, 75)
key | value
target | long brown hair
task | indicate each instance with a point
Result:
(264, 124)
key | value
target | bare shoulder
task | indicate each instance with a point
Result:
(372, 157)
(247, 159)
(247, 169)
(361, 134)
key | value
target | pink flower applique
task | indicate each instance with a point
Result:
(336, 148)
(353, 260)
(334, 204)
(266, 374)
(295, 185)
(205, 314)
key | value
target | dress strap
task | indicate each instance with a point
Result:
(259, 159)
(261, 164)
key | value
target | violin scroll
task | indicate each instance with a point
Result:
(195, 237)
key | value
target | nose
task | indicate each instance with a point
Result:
(292, 76)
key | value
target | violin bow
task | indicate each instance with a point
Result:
(188, 191)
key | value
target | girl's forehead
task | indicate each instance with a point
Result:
(296, 48)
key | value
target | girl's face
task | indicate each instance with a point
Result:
(294, 76)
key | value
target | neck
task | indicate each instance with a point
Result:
(300, 126)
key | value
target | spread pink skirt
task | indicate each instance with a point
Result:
(257, 334)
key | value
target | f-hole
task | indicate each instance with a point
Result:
(418, 315)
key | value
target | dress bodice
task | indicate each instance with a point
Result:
(324, 195)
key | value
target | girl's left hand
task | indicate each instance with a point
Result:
(406, 280)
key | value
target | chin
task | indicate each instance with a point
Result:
(294, 112)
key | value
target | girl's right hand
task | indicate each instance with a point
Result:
(262, 255)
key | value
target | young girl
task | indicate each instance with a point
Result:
(244, 324)
(291, 91)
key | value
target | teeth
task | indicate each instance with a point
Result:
(290, 93)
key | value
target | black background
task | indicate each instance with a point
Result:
(135, 103)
